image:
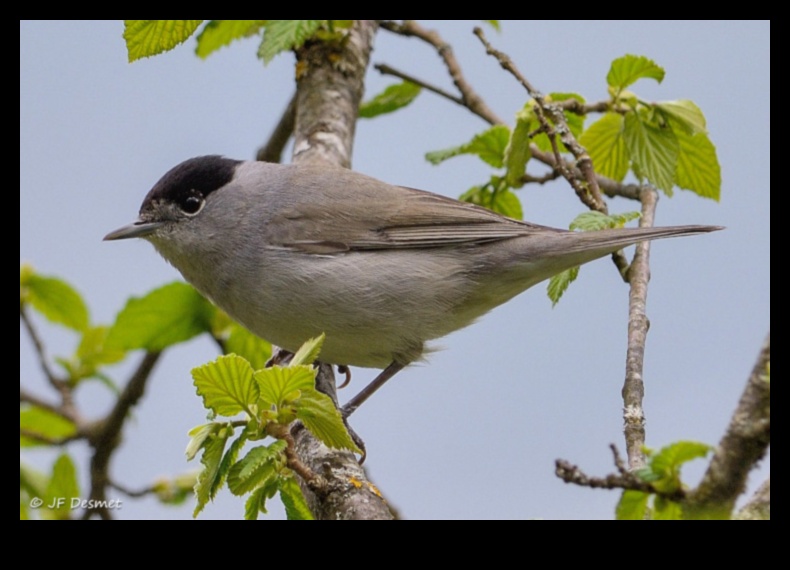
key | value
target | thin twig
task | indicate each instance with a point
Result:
(52, 378)
(471, 100)
(385, 69)
(589, 194)
(272, 151)
(105, 435)
(623, 479)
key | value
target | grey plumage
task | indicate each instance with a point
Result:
(293, 251)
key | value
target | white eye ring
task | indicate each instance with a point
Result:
(192, 205)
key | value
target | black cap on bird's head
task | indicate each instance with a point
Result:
(186, 185)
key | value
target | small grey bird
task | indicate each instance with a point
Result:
(292, 251)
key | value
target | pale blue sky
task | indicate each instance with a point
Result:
(475, 431)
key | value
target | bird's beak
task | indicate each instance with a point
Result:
(138, 228)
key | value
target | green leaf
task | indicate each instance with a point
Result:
(666, 510)
(58, 301)
(228, 460)
(560, 282)
(257, 500)
(283, 35)
(495, 196)
(629, 68)
(489, 146)
(684, 114)
(44, 423)
(91, 354)
(249, 346)
(391, 99)
(606, 146)
(296, 508)
(670, 458)
(259, 466)
(197, 436)
(277, 382)
(206, 487)
(226, 385)
(319, 415)
(308, 352)
(33, 481)
(219, 33)
(517, 152)
(698, 167)
(145, 38)
(165, 316)
(494, 24)
(653, 150)
(593, 221)
(62, 487)
(632, 506)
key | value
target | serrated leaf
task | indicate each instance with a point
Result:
(698, 167)
(276, 383)
(632, 506)
(489, 146)
(684, 114)
(308, 352)
(259, 466)
(226, 385)
(653, 150)
(627, 69)
(205, 488)
(44, 423)
(283, 35)
(517, 152)
(145, 38)
(198, 435)
(559, 283)
(319, 415)
(219, 33)
(391, 99)
(228, 460)
(296, 508)
(605, 144)
(62, 486)
(165, 316)
(594, 221)
(257, 500)
(249, 346)
(665, 510)
(58, 301)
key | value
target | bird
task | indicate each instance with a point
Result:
(292, 251)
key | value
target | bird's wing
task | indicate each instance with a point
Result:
(367, 214)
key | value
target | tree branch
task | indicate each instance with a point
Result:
(759, 506)
(638, 325)
(104, 436)
(743, 445)
(272, 151)
(470, 98)
(329, 90)
(385, 69)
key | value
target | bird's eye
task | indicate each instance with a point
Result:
(192, 204)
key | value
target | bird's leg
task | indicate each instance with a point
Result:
(368, 390)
